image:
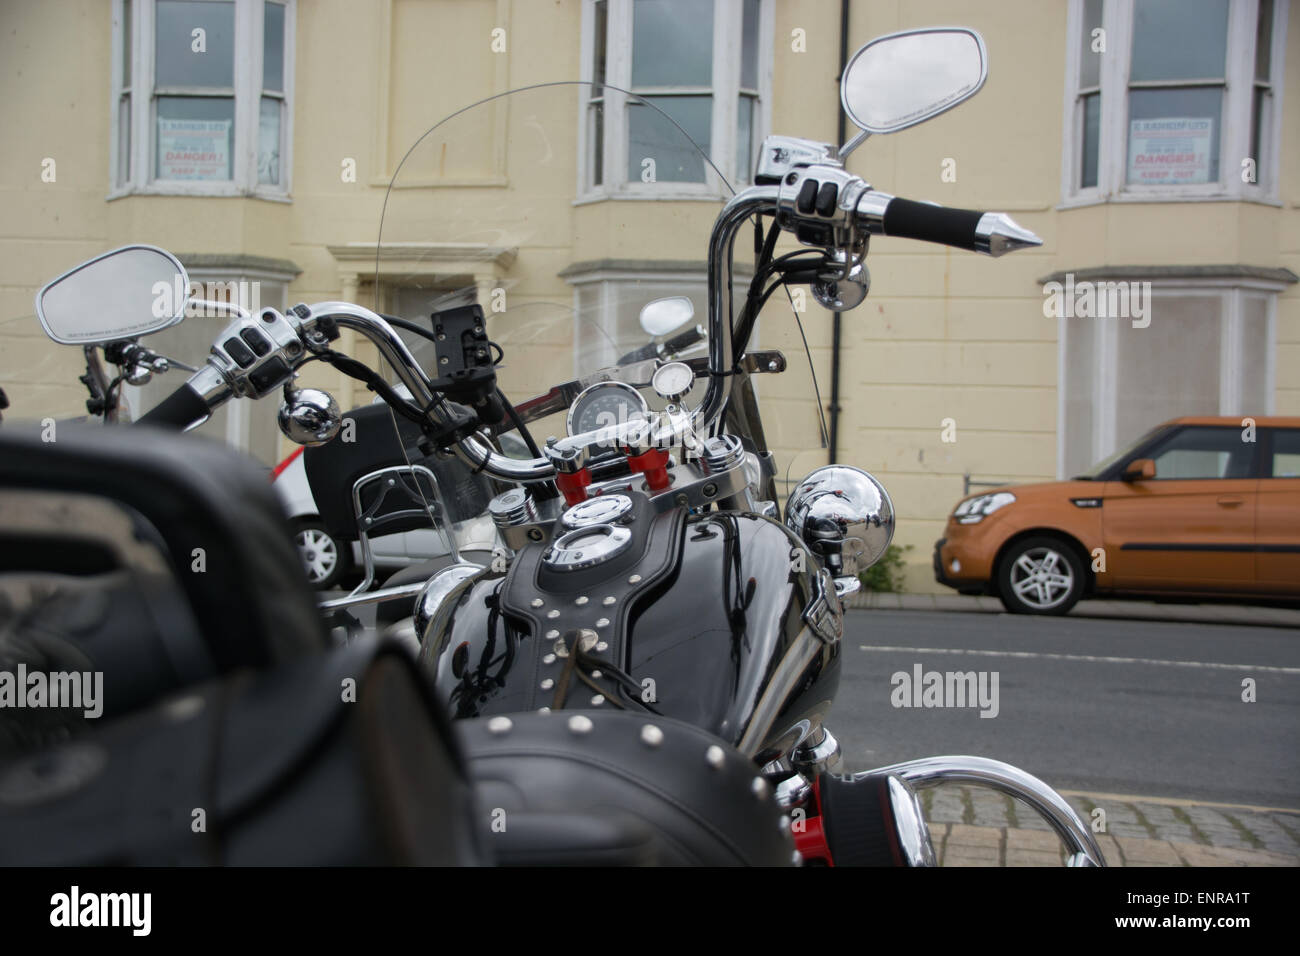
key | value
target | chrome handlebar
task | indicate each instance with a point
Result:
(854, 212)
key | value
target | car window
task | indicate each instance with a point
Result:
(1286, 453)
(1204, 453)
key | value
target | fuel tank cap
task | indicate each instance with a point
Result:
(602, 509)
(587, 547)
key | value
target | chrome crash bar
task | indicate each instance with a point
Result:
(1014, 782)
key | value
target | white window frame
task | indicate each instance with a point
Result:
(1234, 135)
(249, 17)
(1232, 293)
(725, 90)
(610, 281)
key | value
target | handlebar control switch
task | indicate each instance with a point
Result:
(257, 354)
(818, 204)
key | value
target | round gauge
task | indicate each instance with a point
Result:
(673, 381)
(605, 404)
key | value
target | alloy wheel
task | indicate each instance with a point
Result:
(1042, 578)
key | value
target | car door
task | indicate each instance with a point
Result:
(1192, 526)
(1277, 522)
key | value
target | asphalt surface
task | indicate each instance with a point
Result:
(1162, 715)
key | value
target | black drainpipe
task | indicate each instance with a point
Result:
(836, 321)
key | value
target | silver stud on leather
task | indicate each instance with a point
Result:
(499, 725)
(553, 612)
(548, 659)
(552, 634)
(634, 579)
(602, 646)
(597, 700)
(548, 684)
(651, 735)
(537, 602)
(609, 601)
(715, 756)
(580, 724)
(760, 788)
(602, 622)
(581, 601)
(543, 710)
(595, 675)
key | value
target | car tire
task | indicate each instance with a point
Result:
(1040, 575)
(324, 557)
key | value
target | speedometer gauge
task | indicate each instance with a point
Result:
(605, 404)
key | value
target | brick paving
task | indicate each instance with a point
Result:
(974, 826)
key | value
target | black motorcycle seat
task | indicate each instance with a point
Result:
(221, 536)
(597, 787)
(333, 759)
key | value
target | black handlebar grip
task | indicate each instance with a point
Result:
(922, 220)
(180, 409)
(684, 341)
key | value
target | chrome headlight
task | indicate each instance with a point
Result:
(845, 517)
(981, 506)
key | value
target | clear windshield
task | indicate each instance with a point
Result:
(42, 378)
(486, 207)
(495, 205)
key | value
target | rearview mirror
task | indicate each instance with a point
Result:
(902, 79)
(131, 291)
(1140, 469)
(666, 315)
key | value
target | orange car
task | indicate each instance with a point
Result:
(1197, 506)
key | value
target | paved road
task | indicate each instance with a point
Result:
(1097, 705)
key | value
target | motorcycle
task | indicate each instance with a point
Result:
(650, 621)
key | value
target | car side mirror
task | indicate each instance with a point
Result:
(1140, 469)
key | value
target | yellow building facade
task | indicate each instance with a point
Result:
(1152, 145)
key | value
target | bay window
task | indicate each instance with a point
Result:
(202, 92)
(1205, 347)
(1172, 99)
(706, 64)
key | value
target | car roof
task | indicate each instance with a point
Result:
(1261, 421)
